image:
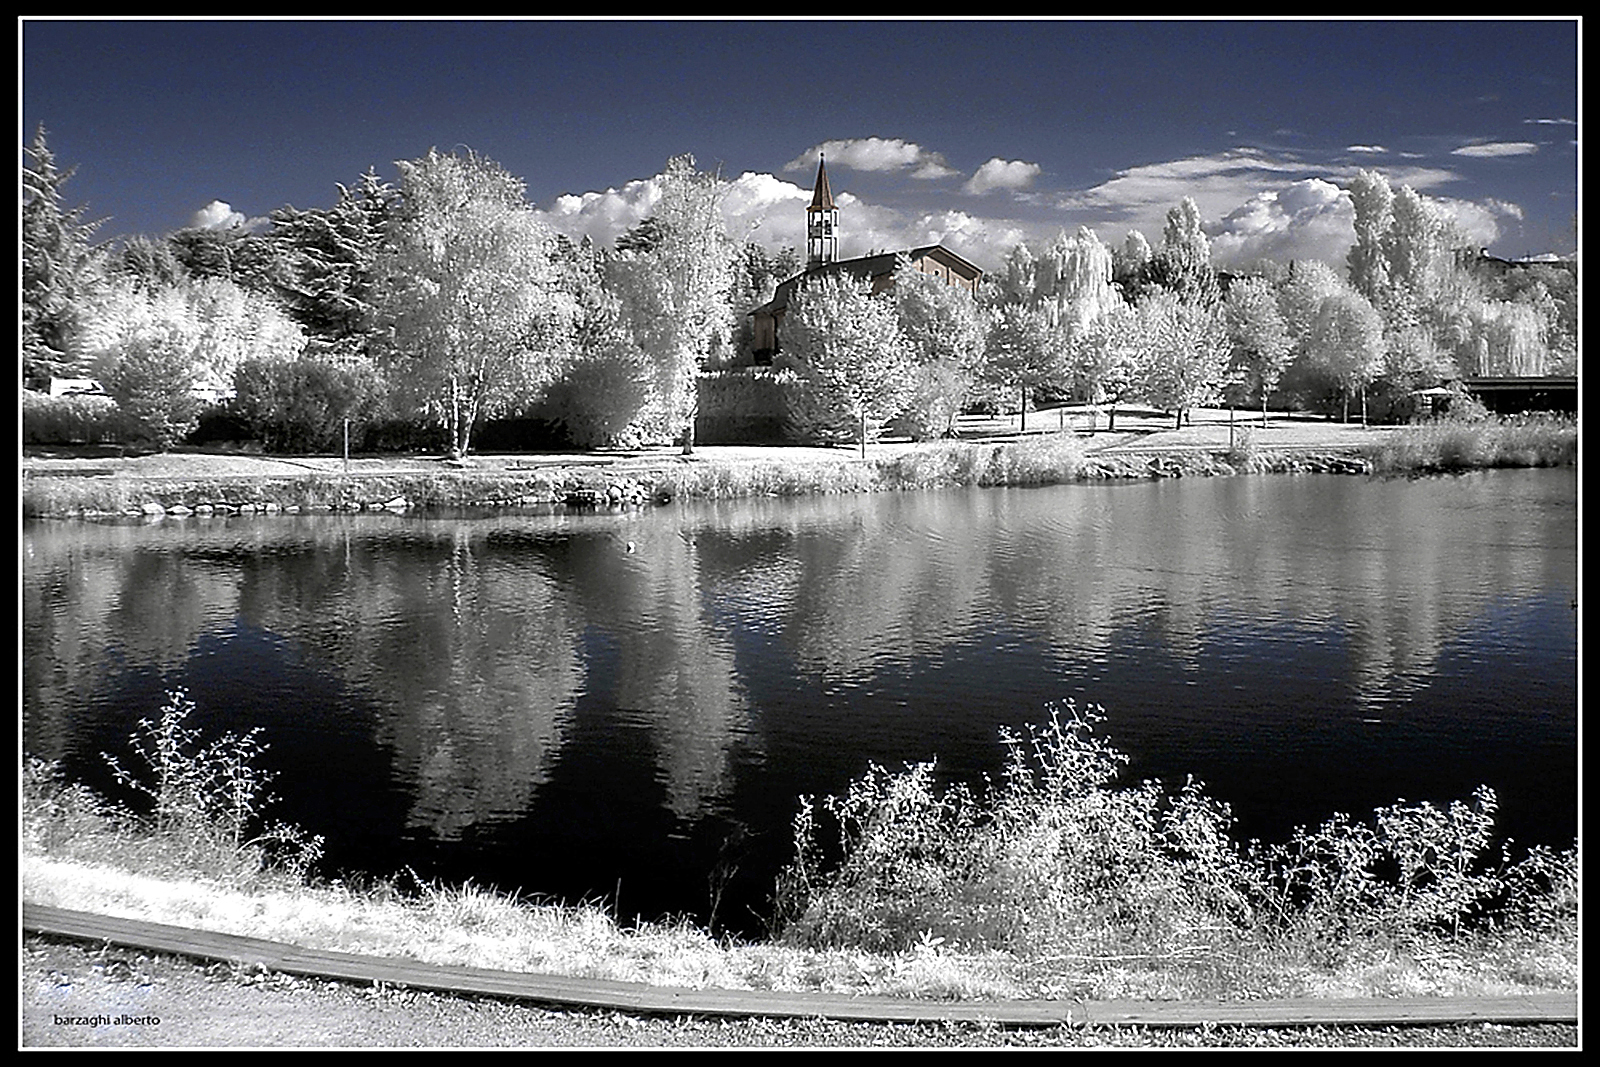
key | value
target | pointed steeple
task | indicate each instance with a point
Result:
(822, 222)
(821, 195)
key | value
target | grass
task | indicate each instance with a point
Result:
(1057, 882)
(1041, 460)
(1447, 445)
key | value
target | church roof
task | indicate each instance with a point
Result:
(863, 268)
(821, 195)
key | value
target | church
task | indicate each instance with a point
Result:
(822, 258)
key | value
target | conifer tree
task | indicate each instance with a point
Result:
(58, 264)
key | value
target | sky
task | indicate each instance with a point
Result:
(978, 134)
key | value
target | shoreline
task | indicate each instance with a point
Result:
(98, 494)
(98, 484)
(105, 483)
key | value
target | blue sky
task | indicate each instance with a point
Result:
(974, 133)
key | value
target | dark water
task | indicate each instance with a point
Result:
(619, 706)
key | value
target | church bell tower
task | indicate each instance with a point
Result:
(822, 223)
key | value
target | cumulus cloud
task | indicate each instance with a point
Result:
(219, 215)
(1479, 220)
(875, 154)
(1307, 219)
(603, 216)
(1495, 149)
(1002, 174)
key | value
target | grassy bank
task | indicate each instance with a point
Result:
(1446, 446)
(1044, 459)
(76, 496)
(1060, 882)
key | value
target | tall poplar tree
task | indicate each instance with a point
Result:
(674, 276)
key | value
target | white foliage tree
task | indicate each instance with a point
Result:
(1026, 351)
(848, 342)
(1106, 359)
(1368, 258)
(675, 290)
(1185, 352)
(1183, 266)
(1074, 281)
(943, 330)
(1260, 339)
(160, 351)
(1346, 340)
(468, 296)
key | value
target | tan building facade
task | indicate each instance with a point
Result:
(822, 230)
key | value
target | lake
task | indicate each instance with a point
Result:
(626, 706)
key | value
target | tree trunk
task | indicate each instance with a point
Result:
(863, 433)
(1022, 413)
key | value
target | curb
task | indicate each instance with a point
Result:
(1558, 1008)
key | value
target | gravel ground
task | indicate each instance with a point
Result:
(168, 1002)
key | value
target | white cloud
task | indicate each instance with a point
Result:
(1497, 148)
(1308, 219)
(1256, 206)
(603, 217)
(766, 209)
(1550, 122)
(219, 215)
(1420, 178)
(1479, 220)
(875, 154)
(1368, 149)
(1002, 174)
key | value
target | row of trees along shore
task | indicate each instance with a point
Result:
(419, 311)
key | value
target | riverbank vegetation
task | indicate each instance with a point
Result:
(1455, 445)
(1437, 446)
(1060, 880)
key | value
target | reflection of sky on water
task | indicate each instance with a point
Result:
(531, 685)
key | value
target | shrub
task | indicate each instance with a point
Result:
(1246, 450)
(600, 395)
(1056, 860)
(208, 798)
(1451, 444)
(1061, 862)
(742, 406)
(80, 419)
(154, 384)
(814, 413)
(300, 405)
(1411, 872)
(939, 389)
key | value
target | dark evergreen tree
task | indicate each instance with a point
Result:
(326, 263)
(58, 264)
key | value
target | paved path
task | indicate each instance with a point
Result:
(646, 999)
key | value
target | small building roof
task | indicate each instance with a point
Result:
(865, 268)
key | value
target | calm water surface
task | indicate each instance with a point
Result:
(617, 705)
